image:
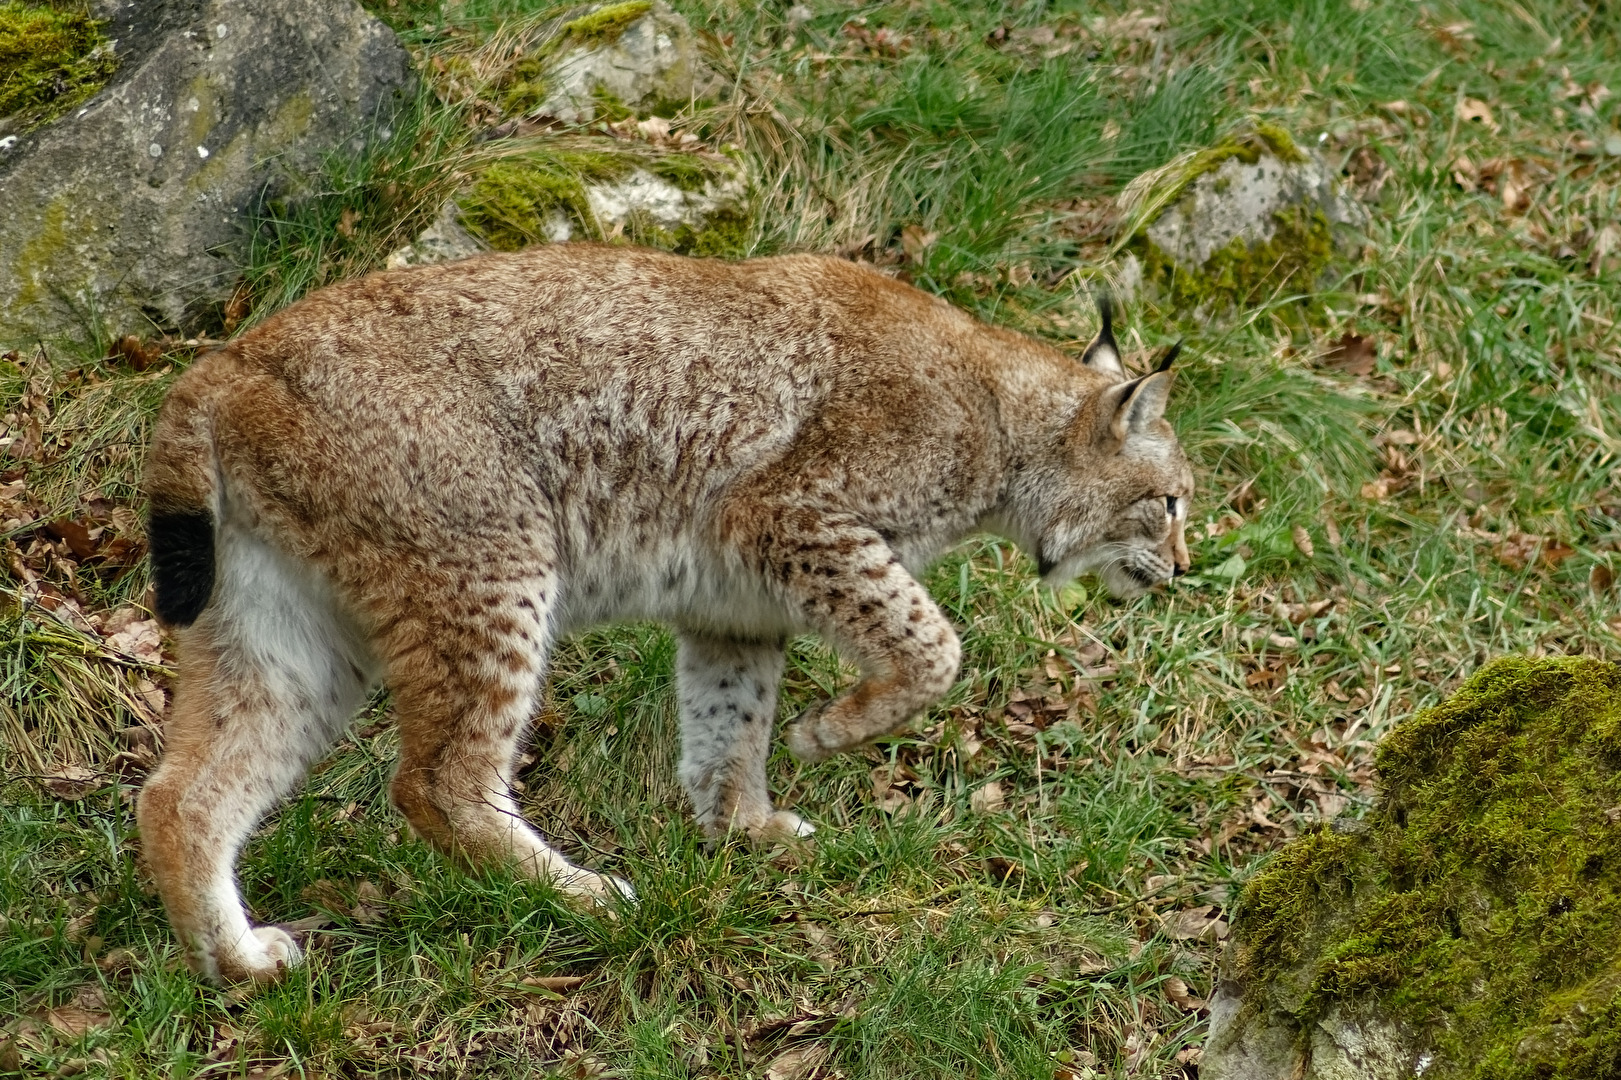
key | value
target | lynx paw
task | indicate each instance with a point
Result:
(262, 956)
(601, 890)
(782, 826)
(804, 737)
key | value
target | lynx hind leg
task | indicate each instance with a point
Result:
(270, 676)
(727, 695)
(851, 587)
(466, 673)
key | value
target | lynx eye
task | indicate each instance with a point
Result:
(1170, 506)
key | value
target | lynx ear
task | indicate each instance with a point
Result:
(1165, 361)
(1103, 354)
(1134, 407)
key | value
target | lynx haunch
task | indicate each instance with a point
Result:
(423, 477)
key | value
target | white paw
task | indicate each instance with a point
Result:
(600, 889)
(784, 825)
(262, 955)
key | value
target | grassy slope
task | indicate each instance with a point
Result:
(939, 927)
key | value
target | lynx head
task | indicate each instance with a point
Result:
(1113, 500)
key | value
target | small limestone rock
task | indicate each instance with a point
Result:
(446, 240)
(638, 55)
(1237, 223)
(700, 205)
(663, 203)
(1241, 201)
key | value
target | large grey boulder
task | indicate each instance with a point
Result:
(134, 209)
(1469, 925)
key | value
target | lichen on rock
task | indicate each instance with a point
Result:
(51, 59)
(135, 208)
(1471, 926)
(1252, 217)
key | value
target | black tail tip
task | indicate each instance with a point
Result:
(182, 553)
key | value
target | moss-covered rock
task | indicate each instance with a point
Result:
(1471, 926)
(51, 59)
(695, 204)
(612, 61)
(1240, 222)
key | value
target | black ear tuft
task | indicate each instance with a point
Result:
(1170, 354)
(1103, 354)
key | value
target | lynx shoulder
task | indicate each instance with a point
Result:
(423, 477)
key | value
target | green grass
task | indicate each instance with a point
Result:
(930, 931)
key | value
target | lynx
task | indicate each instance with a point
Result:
(423, 477)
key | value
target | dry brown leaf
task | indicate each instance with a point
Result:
(141, 640)
(1601, 578)
(1296, 614)
(1473, 110)
(86, 1012)
(1605, 242)
(1352, 354)
(369, 902)
(915, 241)
(1518, 550)
(988, 798)
(1202, 923)
(71, 782)
(1180, 996)
(798, 1062)
(132, 351)
(1376, 490)
(557, 984)
(1303, 542)
(1331, 529)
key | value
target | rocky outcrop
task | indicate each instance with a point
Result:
(639, 56)
(133, 209)
(1470, 927)
(1251, 218)
(445, 240)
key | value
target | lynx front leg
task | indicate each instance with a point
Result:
(727, 691)
(851, 587)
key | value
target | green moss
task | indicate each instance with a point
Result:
(1290, 261)
(726, 234)
(51, 60)
(523, 86)
(689, 172)
(1248, 146)
(512, 202)
(606, 23)
(610, 106)
(1482, 906)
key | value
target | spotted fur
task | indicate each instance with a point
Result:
(423, 477)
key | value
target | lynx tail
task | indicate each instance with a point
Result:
(181, 484)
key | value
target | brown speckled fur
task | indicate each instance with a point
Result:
(423, 477)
